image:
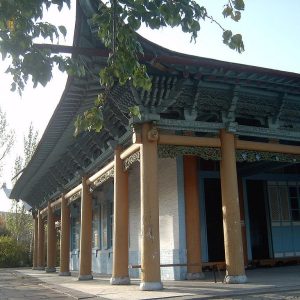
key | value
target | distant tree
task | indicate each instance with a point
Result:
(30, 143)
(3, 228)
(12, 254)
(7, 137)
(19, 222)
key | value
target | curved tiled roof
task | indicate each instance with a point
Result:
(181, 83)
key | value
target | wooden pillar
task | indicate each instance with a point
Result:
(85, 260)
(150, 245)
(120, 229)
(35, 243)
(51, 241)
(235, 271)
(243, 224)
(65, 238)
(192, 218)
(41, 240)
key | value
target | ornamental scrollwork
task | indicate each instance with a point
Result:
(171, 151)
(75, 197)
(253, 156)
(130, 160)
(104, 177)
(210, 153)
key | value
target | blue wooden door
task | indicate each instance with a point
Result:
(284, 201)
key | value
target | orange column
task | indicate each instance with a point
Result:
(35, 242)
(85, 260)
(65, 238)
(192, 218)
(41, 240)
(235, 271)
(51, 241)
(243, 224)
(150, 244)
(120, 230)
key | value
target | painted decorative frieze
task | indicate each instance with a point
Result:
(210, 153)
(171, 151)
(130, 160)
(107, 175)
(75, 196)
(252, 156)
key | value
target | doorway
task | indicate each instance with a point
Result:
(256, 195)
(214, 219)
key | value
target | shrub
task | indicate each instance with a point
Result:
(13, 254)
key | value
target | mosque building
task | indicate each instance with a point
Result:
(208, 175)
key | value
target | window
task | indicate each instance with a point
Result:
(294, 199)
(75, 233)
(284, 199)
(110, 217)
(96, 229)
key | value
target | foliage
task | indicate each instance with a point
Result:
(3, 229)
(6, 138)
(30, 143)
(19, 221)
(13, 254)
(119, 22)
(21, 23)
(19, 224)
(18, 166)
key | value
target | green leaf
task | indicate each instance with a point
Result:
(63, 30)
(227, 34)
(134, 23)
(13, 86)
(135, 111)
(227, 11)
(239, 4)
(236, 16)
(236, 43)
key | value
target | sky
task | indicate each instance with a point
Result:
(270, 30)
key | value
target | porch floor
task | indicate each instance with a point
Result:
(270, 283)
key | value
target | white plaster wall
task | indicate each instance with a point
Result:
(169, 221)
(168, 205)
(102, 258)
(134, 207)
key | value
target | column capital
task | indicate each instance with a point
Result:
(149, 133)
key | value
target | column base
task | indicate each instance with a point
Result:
(64, 274)
(51, 270)
(85, 277)
(40, 268)
(120, 280)
(235, 279)
(34, 268)
(195, 276)
(151, 286)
